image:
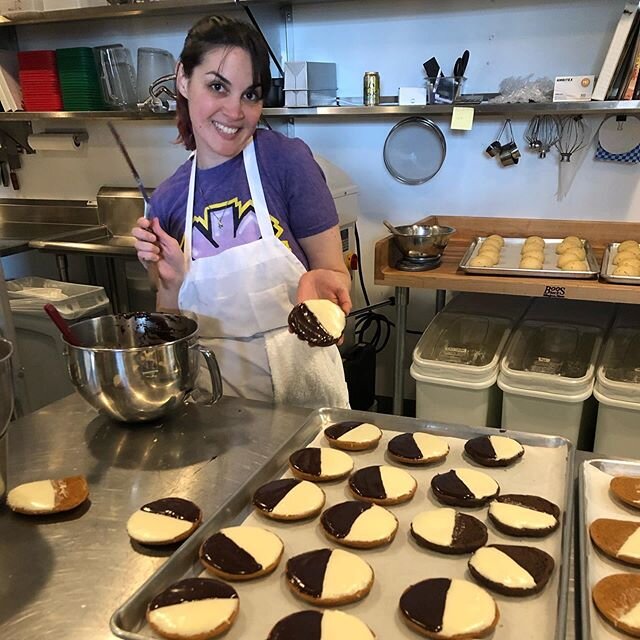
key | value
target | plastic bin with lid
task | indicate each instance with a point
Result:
(40, 346)
(617, 388)
(455, 363)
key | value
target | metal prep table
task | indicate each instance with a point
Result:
(63, 576)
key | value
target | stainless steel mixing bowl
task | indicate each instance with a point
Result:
(6, 408)
(417, 241)
(139, 366)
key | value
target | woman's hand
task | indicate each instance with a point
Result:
(162, 257)
(326, 284)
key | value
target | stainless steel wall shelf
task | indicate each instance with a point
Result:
(513, 110)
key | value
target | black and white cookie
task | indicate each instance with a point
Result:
(353, 435)
(417, 448)
(494, 451)
(289, 499)
(464, 488)
(446, 609)
(511, 570)
(359, 524)
(618, 539)
(617, 598)
(320, 625)
(448, 531)
(48, 496)
(329, 577)
(194, 609)
(382, 484)
(524, 515)
(319, 322)
(241, 553)
(320, 464)
(164, 521)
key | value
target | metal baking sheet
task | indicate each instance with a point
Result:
(608, 267)
(510, 259)
(595, 502)
(546, 469)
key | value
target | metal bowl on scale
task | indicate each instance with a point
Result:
(421, 245)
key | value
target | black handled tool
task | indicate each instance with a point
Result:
(432, 68)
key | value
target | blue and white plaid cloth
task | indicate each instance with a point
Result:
(630, 157)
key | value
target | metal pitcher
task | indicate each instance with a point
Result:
(137, 367)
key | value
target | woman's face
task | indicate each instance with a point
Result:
(224, 104)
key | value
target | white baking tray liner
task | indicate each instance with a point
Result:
(545, 470)
(596, 502)
(509, 264)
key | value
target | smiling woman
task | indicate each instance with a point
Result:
(246, 228)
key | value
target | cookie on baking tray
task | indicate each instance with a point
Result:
(320, 625)
(627, 490)
(417, 448)
(362, 525)
(48, 496)
(617, 598)
(524, 515)
(618, 539)
(353, 435)
(320, 464)
(321, 323)
(164, 521)
(329, 577)
(493, 451)
(511, 570)
(449, 609)
(289, 499)
(194, 609)
(464, 488)
(448, 531)
(241, 553)
(382, 484)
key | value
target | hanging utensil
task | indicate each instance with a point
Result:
(548, 133)
(531, 133)
(391, 228)
(572, 136)
(134, 172)
(61, 323)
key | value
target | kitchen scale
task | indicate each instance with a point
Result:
(418, 264)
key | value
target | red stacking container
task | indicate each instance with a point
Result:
(39, 81)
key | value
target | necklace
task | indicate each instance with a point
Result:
(217, 216)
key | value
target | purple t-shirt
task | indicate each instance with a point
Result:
(299, 201)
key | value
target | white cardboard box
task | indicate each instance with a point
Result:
(310, 76)
(573, 88)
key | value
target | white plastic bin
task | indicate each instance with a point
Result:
(617, 389)
(40, 346)
(456, 361)
(546, 377)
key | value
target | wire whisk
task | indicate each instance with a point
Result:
(572, 136)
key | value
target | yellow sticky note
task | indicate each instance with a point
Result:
(462, 118)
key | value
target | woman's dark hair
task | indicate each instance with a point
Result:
(210, 33)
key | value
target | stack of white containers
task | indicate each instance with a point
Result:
(456, 362)
(548, 370)
(617, 388)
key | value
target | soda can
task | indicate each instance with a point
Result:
(371, 88)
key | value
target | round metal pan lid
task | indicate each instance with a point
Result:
(414, 150)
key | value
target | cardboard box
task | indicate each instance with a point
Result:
(412, 95)
(310, 76)
(573, 88)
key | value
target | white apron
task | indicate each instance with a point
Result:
(242, 298)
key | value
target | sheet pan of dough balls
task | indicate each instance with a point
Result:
(621, 262)
(569, 257)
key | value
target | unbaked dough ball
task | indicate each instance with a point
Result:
(483, 260)
(627, 269)
(530, 262)
(577, 252)
(534, 241)
(631, 262)
(575, 265)
(494, 237)
(494, 244)
(567, 243)
(491, 253)
(536, 253)
(625, 256)
(628, 244)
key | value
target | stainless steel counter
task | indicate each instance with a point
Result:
(63, 576)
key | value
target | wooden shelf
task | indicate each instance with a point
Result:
(449, 277)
